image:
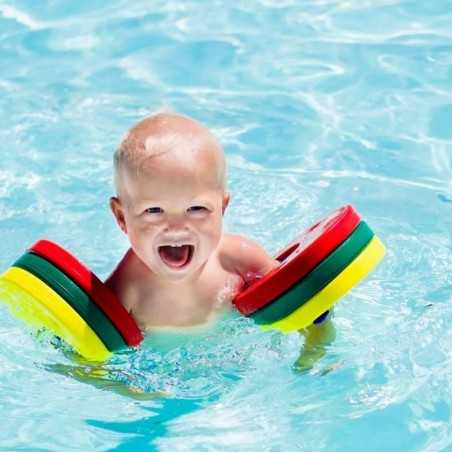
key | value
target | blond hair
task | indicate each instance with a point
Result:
(159, 134)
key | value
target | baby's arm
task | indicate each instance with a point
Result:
(100, 377)
(318, 337)
(245, 257)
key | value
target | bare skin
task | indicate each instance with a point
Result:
(170, 187)
(181, 268)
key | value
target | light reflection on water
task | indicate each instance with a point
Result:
(317, 104)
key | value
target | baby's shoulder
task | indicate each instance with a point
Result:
(124, 281)
(232, 246)
(243, 256)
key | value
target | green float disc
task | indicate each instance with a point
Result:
(75, 297)
(317, 279)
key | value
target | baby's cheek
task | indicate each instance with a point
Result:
(145, 231)
(141, 240)
(212, 235)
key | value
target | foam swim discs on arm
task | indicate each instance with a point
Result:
(358, 269)
(97, 291)
(298, 258)
(48, 287)
(316, 270)
(42, 306)
(76, 297)
(317, 279)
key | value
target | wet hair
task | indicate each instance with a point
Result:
(159, 134)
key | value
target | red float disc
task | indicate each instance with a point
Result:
(299, 258)
(93, 286)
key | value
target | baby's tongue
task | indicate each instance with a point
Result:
(174, 256)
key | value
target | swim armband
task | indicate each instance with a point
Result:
(317, 268)
(48, 287)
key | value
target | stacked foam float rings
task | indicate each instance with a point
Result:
(317, 269)
(50, 288)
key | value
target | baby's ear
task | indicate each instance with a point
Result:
(116, 208)
(226, 199)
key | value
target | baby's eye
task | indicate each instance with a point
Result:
(154, 210)
(197, 209)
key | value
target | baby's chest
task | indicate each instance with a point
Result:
(207, 292)
(186, 304)
(184, 295)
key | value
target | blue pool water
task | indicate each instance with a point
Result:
(318, 104)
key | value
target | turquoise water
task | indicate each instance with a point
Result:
(318, 104)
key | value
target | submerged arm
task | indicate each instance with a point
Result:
(101, 377)
(317, 339)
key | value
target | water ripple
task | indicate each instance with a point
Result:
(317, 105)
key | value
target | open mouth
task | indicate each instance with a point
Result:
(176, 256)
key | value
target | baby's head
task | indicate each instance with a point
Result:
(170, 179)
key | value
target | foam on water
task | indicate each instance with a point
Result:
(318, 104)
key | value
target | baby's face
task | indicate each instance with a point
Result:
(172, 212)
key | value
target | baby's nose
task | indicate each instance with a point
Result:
(176, 223)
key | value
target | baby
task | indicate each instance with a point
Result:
(170, 179)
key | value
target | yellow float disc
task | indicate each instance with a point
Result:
(46, 308)
(362, 265)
